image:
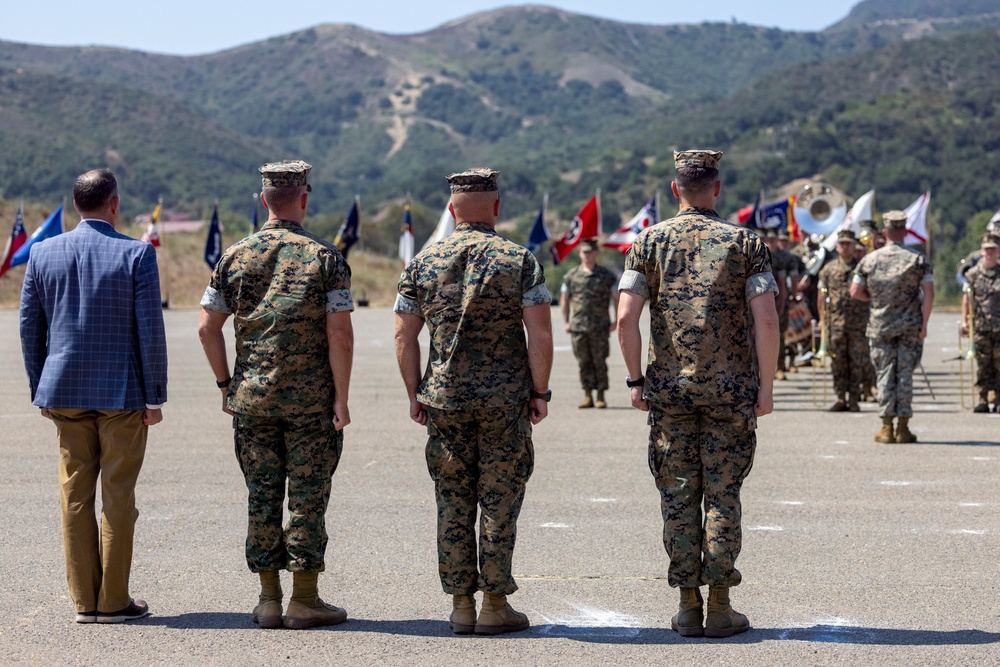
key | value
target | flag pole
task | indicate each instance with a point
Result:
(600, 217)
(165, 291)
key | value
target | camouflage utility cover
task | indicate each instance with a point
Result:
(893, 275)
(279, 284)
(843, 311)
(589, 295)
(699, 274)
(470, 289)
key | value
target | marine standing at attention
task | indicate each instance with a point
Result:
(289, 293)
(482, 389)
(586, 294)
(982, 296)
(710, 373)
(899, 283)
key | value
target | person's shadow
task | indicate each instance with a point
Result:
(823, 634)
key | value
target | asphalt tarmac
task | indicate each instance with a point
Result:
(855, 553)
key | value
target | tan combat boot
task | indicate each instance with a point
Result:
(306, 609)
(463, 615)
(886, 435)
(267, 613)
(780, 375)
(497, 616)
(723, 620)
(687, 621)
(903, 433)
(588, 400)
(601, 403)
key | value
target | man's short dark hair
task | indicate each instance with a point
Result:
(696, 180)
(94, 189)
(282, 198)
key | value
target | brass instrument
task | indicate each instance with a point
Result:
(868, 238)
(967, 355)
(819, 208)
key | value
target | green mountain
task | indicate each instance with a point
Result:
(899, 96)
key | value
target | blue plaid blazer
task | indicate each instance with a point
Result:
(92, 322)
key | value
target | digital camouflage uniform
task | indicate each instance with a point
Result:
(589, 295)
(279, 284)
(470, 289)
(984, 285)
(847, 319)
(699, 273)
(782, 264)
(893, 276)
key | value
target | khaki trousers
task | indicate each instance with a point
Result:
(110, 445)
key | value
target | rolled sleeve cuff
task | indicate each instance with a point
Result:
(635, 282)
(760, 283)
(858, 280)
(406, 305)
(929, 278)
(214, 301)
(339, 301)
(536, 296)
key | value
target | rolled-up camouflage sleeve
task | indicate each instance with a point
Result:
(861, 272)
(634, 277)
(760, 278)
(406, 299)
(533, 289)
(213, 298)
(337, 275)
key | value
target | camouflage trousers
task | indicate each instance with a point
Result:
(988, 361)
(303, 451)
(701, 455)
(894, 360)
(591, 349)
(479, 459)
(851, 361)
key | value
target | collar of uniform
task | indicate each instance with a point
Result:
(697, 210)
(483, 227)
(281, 224)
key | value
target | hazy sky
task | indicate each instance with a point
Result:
(189, 27)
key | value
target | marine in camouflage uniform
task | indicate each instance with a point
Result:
(587, 291)
(899, 282)
(982, 295)
(482, 389)
(706, 280)
(845, 319)
(289, 294)
(781, 266)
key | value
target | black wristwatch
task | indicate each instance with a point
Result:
(224, 383)
(640, 382)
(547, 396)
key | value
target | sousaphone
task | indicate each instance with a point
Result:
(820, 208)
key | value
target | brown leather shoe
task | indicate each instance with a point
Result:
(463, 615)
(687, 622)
(498, 617)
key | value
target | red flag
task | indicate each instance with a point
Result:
(18, 237)
(586, 225)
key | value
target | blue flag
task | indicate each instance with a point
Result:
(52, 226)
(350, 231)
(776, 215)
(539, 232)
(213, 244)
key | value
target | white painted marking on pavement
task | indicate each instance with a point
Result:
(790, 502)
(894, 483)
(603, 500)
(967, 532)
(841, 442)
(591, 621)
(562, 348)
(774, 528)
(983, 458)
(971, 504)
(832, 457)
(555, 525)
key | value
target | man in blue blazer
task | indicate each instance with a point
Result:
(96, 356)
